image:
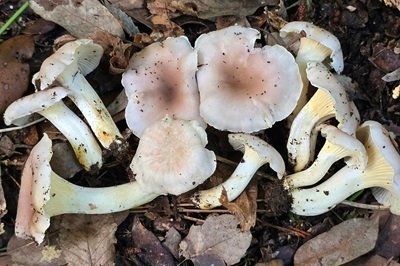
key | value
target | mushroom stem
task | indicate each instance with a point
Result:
(66, 197)
(338, 145)
(382, 170)
(256, 153)
(92, 108)
(77, 133)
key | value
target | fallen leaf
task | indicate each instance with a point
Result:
(244, 207)
(152, 252)
(219, 236)
(26, 252)
(342, 243)
(88, 239)
(172, 240)
(215, 8)
(14, 72)
(162, 25)
(374, 260)
(117, 52)
(388, 244)
(386, 60)
(79, 17)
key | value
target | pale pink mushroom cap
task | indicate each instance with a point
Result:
(171, 157)
(31, 219)
(161, 80)
(242, 88)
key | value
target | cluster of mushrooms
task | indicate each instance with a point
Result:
(174, 91)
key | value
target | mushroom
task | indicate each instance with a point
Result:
(330, 100)
(243, 88)
(338, 145)
(49, 104)
(171, 157)
(382, 170)
(256, 153)
(183, 164)
(320, 35)
(68, 66)
(161, 80)
(309, 51)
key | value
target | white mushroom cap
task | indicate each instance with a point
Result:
(256, 153)
(330, 100)
(31, 220)
(49, 104)
(321, 35)
(161, 80)
(82, 55)
(338, 145)
(382, 170)
(242, 88)
(171, 157)
(33, 103)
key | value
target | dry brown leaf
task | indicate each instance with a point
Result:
(163, 26)
(343, 243)
(218, 237)
(26, 252)
(14, 73)
(78, 17)
(172, 240)
(244, 207)
(117, 52)
(88, 239)
(152, 252)
(388, 244)
(215, 8)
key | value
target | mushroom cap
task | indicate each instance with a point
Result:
(171, 157)
(161, 80)
(242, 88)
(264, 152)
(321, 35)
(31, 220)
(380, 145)
(17, 112)
(82, 55)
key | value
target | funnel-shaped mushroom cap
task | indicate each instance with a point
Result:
(171, 157)
(83, 55)
(35, 192)
(161, 80)
(321, 35)
(242, 88)
(389, 164)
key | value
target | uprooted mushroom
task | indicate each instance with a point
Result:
(49, 104)
(256, 153)
(171, 158)
(330, 100)
(68, 66)
(382, 171)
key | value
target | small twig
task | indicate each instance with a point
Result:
(202, 211)
(14, 17)
(364, 206)
(291, 230)
(2, 130)
(193, 219)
